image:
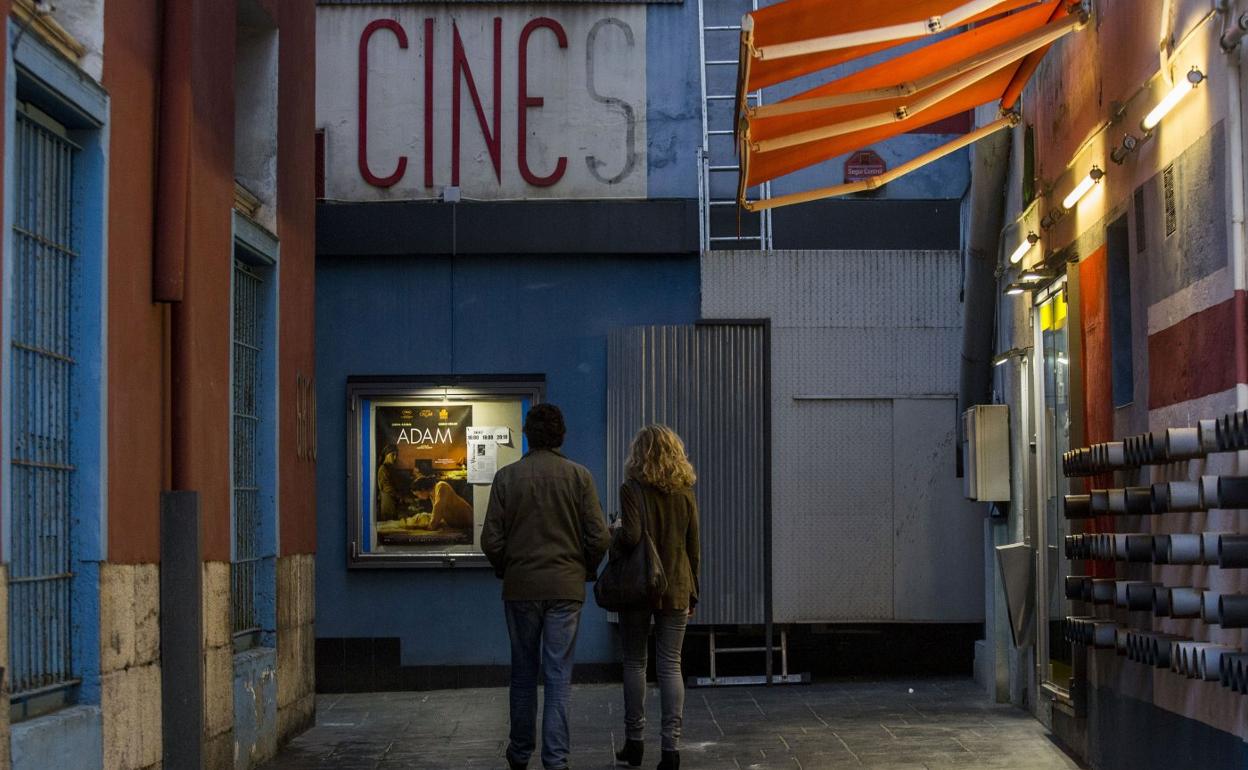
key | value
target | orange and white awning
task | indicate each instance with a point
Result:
(989, 61)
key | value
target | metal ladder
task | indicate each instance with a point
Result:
(723, 225)
(770, 678)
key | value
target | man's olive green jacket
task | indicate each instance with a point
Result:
(544, 530)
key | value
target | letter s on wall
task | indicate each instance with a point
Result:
(362, 138)
(630, 115)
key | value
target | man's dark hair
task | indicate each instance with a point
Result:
(424, 484)
(544, 427)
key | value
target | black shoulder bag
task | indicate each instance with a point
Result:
(635, 580)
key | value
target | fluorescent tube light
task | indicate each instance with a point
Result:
(1082, 188)
(1181, 89)
(1031, 240)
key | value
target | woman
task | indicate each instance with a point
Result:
(659, 486)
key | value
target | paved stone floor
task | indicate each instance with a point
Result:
(943, 723)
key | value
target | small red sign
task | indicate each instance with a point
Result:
(864, 164)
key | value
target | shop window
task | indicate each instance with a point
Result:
(422, 460)
(1119, 268)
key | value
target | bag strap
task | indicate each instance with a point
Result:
(645, 509)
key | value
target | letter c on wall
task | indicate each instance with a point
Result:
(362, 139)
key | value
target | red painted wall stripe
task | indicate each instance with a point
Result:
(1199, 355)
(1098, 399)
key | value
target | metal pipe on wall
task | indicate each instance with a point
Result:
(990, 160)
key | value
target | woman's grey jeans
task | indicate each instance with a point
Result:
(669, 635)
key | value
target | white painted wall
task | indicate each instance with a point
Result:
(593, 91)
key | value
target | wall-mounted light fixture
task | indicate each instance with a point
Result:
(1015, 289)
(1182, 88)
(1007, 355)
(1128, 145)
(1031, 240)
(1085, 185)
(1035, 275)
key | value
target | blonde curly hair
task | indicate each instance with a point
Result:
(657, 457)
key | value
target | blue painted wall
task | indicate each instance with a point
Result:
(673, 99)
(469, 315)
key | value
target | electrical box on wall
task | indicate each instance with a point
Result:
(986, 453)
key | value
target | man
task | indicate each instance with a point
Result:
(545, 535)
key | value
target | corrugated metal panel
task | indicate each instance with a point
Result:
(865, 509)
(706, 383)
(41, 420)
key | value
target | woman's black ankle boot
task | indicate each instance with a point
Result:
(631, 753)
(670, 761)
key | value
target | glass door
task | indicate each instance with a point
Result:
(1052, 402)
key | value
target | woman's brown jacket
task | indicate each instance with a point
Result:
(673, 520)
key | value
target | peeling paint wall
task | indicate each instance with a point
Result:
(255, 707)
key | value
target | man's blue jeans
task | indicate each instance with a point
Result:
(543, 637)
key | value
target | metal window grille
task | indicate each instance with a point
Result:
(247, 349)
(42, 368)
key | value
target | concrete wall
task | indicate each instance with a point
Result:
(470, 315)
(296, 644)
(1184, 285)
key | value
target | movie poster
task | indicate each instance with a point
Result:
(421, 494)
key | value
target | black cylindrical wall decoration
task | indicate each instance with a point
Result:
(1233, 610)
(1161, 549)
(1103, 590)
(1184, 601)
(1161, 601)
(1222, 427)
(1183, 549)
(1099, 502)
(1156, 446)
(1139, 548)
(1233, 551)
(1232, 666)
(1077, 506)
(1207, 429)
(1209, 547)
(1120, 546)
(1209, 492)
(1176, 496)
(1233, 491)
(1209, 667)
(1210, 607)
(1139, 501)
(1136, 595)
(1105, 635)
(1182, 443)
(1117, 501)
(1074, 587)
